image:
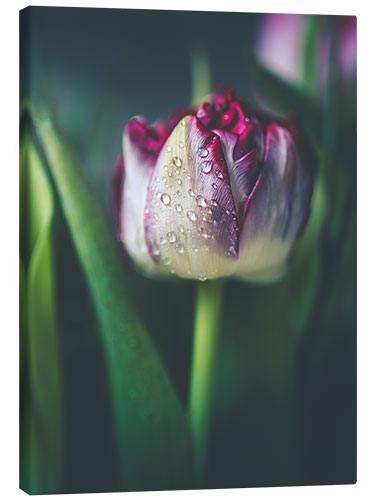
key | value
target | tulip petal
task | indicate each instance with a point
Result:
(275, 211)
(140, 145)
(243, 155)
(190, 219)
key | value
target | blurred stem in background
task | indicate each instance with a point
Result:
(201, 75)
(206, 326)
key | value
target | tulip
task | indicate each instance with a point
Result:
(223, 190)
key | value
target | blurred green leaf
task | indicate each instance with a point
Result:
(40, 391)
(152, 428)
(288, 98)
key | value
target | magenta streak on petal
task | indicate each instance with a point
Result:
(252, 192)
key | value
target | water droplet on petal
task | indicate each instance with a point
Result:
(214, 186)
(169, 149)
(191, 216)
(181, 228)
(163, 240)
(177, 162)
(179, 207)
(181, 144)
(183, 123)
(206, 167)
(171, 237)
(201, 201)
(166, 199)
(179, 248)
(191, 192)
(219, 175)
(232, 251)
(214, 203)
(203, 152)
(154, 248)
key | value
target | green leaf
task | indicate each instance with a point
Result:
(152, 429)
(40, 378)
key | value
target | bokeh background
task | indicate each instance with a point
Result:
(285, 393)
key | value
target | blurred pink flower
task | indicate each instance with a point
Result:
(281, 42)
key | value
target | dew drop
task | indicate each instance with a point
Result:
(202, 277)
(177, 162)
(169, 149)
(203, 152)
(179, 208)
(191, 192)
(166, 199)
(183, 123)
(191, 216)
(206, 167)
(214, 203)
(219, 175)
(178, 192)
(232, 251)
(154, 248)
(205, 234)
(166, 261)
(179, 248)
(171, 237)
(163, 240)
(201, 201)
(179, 182)
(214, 186)
(181, 144)
(181, 228)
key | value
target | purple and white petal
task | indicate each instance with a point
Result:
(191, 221)
(275, 211)
(140, 152)
(243, 155)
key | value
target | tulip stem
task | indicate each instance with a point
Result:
(206, 327)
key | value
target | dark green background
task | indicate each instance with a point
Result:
(285, 398)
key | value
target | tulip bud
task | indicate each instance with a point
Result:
(223, 191)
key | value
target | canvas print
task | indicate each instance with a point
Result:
(187, 250)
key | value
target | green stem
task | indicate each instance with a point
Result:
(206, 327)
(201, 75)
